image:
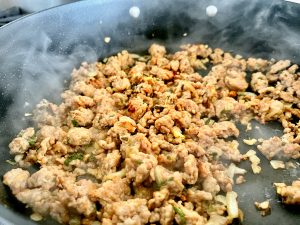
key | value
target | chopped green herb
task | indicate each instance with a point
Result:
(139, 162)
(209, 121)
(159, 185)
(74, 156)
(21, 133)
(92, 73)
(214, 155)
(92, 158)
(11, 162)
(226, 113)
(75, 123)
(210, 208)
(181, 215)
(32, 140)
(88, 145)
(124, 138)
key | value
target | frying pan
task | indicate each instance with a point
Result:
(38, 52)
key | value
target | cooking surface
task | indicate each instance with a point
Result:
(95, 22)
(30, 6)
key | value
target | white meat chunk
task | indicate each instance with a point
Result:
(289, 194)
(280, 65)
(139, 165)
(225, 129)
(16, 179)
(167, 215)
(211, 185)
(236, 80)
(157, 50)
(132, 211)
(275, 147)
(258, 81)
(112, 191)
(82, 116)
(190, 169)
(79, 136)
(44, 202)
(254, 64)
(21, 144)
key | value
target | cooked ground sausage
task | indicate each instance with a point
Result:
(138, 139)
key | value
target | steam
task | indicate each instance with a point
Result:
(250, 28)
(44, 75)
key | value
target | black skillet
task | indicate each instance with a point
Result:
(38, 52)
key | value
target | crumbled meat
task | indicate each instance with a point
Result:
(280, 65)
(258, 81)
(158, 198)
(132, 211)
(257, 64)
(43, 202)
(139, 165)
(79, 136)
(164, 124)
(190, 170)
(166, 215)
(157, 50)
(16, 179)
(82, 116)
(275, 146)
(240, 180)
(225, 129)
(187, 215)
(198, 196)
(83, 101)
(210, 185)
(289, 194)
(236, 80)
(111, 191)
(137, 108)
(21, 144)
(121, 84)
(263, 207)
(148, 139)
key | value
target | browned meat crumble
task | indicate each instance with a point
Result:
(138, 139)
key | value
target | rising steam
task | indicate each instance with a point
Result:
(250, 28)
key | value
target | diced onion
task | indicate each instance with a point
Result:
(111, 176)
(74, 221)
(221, 199)
(232, 205)
(96, 223)
(18, 158)
(250, 141)
(36, 217)
(255, 168)
(233, 169)
(216, 219)
(277, 164)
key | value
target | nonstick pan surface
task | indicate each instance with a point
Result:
(37, 54)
